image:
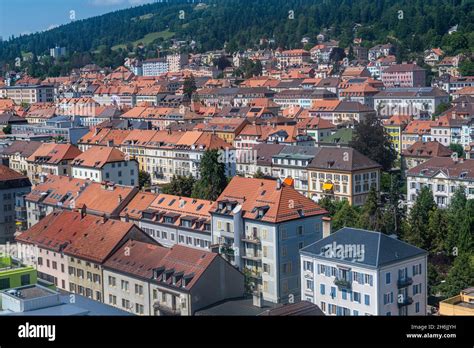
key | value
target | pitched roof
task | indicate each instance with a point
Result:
(453, 169)
(143, 258)
(88, 237)
(105, 198)
(138, 204)
(254, 194)
(57, 190)
(23, 148)
(99, 156)
(395, 68)
(418, 127)
(51, 153)
(427, 149)
(7, 174)
(375, 248)
(341, 159)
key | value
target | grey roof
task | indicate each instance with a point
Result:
(240, 306)
(352, 106)
(265, 152)
(341, 158)
(411, 92)
(377, 249)
(25, 148)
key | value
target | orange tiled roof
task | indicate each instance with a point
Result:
(138, 204)
(99, 156)
(51, 153)
(280, 205)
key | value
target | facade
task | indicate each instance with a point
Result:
(28, 94)
(176, 61)
(161, 281)
(259, 225)
(13, 188)
(342, 174)
(72, 247)
(17, 153)
(409, 101)
(462, 304)
(394, 127)
(443, 175)
(292, 58)
(155, 67)
(13, 273)
(174, 220)
(51, 158)
(358, 272)
(105, 164)
(404, 75)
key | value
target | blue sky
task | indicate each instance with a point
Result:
(29, 16)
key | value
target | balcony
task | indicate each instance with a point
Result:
(407, 300)
(251, 239)
(342, 283)
(254, 256)
(404, 282)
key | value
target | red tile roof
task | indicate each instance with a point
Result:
(281, 204)
(179, 260)
(427, 149)
(7, 174)
(87, 237)
(51, 153)
(99, 156)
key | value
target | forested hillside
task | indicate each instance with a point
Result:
(413, 25)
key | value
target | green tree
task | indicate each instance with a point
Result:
(259, 174)
(418, 220)
(213, 178)
(345, 216)
(7, 129)
(466, 67)
(144, 179)
(180, 186)
(458, 149)
(460, 223)
(189, 86)
(371, 215)
(371, 139)
(460, 276)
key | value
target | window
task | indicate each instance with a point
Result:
(322, 289)
(25, 279)
(125, 303)
(4, 283)
(139, 308)
(124, 285)
(417, 269)
(323, 306)
(344, 294)
(308, 266)
(300, 230)
(356, 296)
(417, 307)
(387, 278)
(367, 300)
(309, 284)
(112, 281)
(112, 299)
(333, 292)
(287, 268)
(368, 279)
(284, 251)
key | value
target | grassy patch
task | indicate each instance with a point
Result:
(148, 38)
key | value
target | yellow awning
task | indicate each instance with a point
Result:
(327, 186)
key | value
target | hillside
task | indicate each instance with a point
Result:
(242, 23)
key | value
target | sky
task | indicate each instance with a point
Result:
(28, 16)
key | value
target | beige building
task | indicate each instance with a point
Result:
(342, 174)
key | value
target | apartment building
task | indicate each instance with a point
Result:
(415, 131)
(443, 175)
(176, 61)
(259, 225)
(462, 304)
(409, 101)
(342, 174)
(101, 163)
(29, 94)
(404, 75)
(66, 193)
(148, 279)
(394, 127)
(155, 67)
(18, 152)
(51, 158)
(174, 220)
(13, 187)
(73, 246)
(359, 272)
(421, 151)
(294, 57)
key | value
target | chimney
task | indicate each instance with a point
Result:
(83, 211)
(120, 199)
(104, 219)
(257, 299)
(327, 221)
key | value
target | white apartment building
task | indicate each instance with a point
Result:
(155, 67)
(176, 61)
(101, 163)
(443, 175)
(358, 272)
(260, 226)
